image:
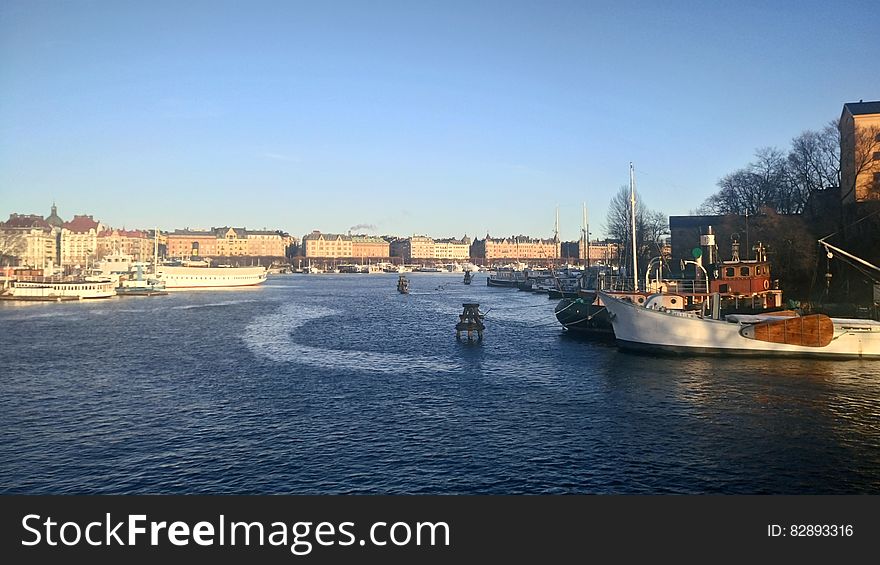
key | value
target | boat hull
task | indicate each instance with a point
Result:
(645, 329)
(208, 278)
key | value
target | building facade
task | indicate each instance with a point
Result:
(453, 249)
(366, 246)
(266, 243)
(515, 248)
(138, 244)
(859, 127)
(79, 241)
(27, 240)
(329, 245)
(183, 244)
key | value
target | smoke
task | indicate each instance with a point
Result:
(367, 227)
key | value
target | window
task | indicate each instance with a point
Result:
(743, 271)
(729, 272)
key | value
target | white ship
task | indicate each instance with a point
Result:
(60, 290)
(198, 275)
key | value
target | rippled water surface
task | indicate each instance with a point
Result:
(338, 384)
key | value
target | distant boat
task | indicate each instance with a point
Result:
(52, 291)
(198, 275)
(507, 277)
(467, 277)
(402, 285)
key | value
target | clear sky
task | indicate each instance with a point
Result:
(440, 118)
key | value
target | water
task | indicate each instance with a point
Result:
(338, 384)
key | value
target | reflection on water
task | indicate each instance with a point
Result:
(339, 384)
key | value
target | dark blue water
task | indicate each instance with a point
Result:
(338, 384)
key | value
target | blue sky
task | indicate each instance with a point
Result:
(441, 118)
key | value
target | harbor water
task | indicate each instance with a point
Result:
(318, 384)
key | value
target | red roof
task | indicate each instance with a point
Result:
(81, 224)
(26, 221)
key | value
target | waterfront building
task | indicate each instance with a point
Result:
(602, 251)
(267, 243)
(79, 240)
(859, 127)
(515, 248)
(135, 243)
(453, 249)
(27, 240)
(231, 242)
(182, 244)
(365, 246)
(330, 245)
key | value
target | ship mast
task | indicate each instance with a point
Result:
(156, 251)
(586, 231)
(632, 200)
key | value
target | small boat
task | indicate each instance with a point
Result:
(467, 277)
(403, 285)
(506, 277)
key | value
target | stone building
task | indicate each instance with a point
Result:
(859, 127)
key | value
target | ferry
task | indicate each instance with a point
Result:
(58, 291)
(199, 275)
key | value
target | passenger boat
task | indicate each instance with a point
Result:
(507, 277)
(661, 325)
(199, 275)
(57, 291)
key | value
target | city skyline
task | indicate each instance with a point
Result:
(440, 119)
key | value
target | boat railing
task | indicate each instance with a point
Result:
(626, 284)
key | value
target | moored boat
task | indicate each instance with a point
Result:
(57, 291)
(189, 277)
(659, 325)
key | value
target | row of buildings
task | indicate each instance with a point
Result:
(30, 240)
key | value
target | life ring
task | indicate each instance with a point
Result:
(766, 284)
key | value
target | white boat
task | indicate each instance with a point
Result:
(61, 290)
(661, 325)
(189, 277)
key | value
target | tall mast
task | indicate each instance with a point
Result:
(156, 251)
(632, 201)
(556, 230)
(586, 238)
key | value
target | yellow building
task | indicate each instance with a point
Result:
(453, 249)
(79, 241)
(860, 152)
(332, 245)
(265, 243)
(28, 241)
(231, 242)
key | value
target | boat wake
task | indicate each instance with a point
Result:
(272, 337)
(211, 304)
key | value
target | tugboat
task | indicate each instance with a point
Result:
(402, 285)
(467, 277)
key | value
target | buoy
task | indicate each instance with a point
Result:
(470, 321)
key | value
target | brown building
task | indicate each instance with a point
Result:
(135, 243)
(860, 152)
(183, 244)
(515, 248)
(365, 246)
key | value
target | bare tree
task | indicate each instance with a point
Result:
(651, 225)
(763, 183)
(813, 163)
(12, 246)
